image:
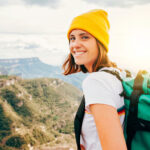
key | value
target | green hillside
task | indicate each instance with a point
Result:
(36, 113)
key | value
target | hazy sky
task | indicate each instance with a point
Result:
(37, 28)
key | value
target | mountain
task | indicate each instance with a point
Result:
(34, 68)
(35, 113)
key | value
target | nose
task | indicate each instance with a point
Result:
(75, 44)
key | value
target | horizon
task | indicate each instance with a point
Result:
(37, 58)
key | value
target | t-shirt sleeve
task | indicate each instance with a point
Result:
(99, 91)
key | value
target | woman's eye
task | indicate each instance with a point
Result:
(85, 37)
(72, 38)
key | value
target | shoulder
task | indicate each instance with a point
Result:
(103, 78)
(101, 82)
(102, 87)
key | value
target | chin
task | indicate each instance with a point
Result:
(79, 62)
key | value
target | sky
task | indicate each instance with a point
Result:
(37, 28)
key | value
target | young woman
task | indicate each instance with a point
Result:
(88, 41)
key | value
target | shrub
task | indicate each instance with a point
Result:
(15, 141)
(55, 118)
(40, 136)
(4, 121)
(3, 76)
(13, 101)
(68, 129)
(4, 134)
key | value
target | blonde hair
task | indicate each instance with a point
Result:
(102, 60)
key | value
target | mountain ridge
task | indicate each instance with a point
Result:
(34, 68)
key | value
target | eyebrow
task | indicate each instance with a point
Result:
(79, 34)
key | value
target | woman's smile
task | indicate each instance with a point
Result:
(78, 53)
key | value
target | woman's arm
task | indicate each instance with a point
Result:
(108, 126)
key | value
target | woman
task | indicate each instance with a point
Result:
(88, 42)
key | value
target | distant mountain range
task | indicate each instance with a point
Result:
(34, 68)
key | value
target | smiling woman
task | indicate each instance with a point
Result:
(97, 123)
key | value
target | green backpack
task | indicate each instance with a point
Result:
(137, 111)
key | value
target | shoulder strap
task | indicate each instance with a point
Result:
(115, 73)
(133, 123)
(78, 121)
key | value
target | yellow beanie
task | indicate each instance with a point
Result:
(95, 22)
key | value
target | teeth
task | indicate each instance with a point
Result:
(79, 53)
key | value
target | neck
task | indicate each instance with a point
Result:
(90, 69)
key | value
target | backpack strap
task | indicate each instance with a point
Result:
(115, 73)
(132, 118)
(78, 121)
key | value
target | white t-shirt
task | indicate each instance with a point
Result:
(100, 88)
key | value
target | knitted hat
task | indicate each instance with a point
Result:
(95, 22)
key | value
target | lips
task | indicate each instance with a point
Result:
(79, 53)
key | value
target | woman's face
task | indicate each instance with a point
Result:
(84, 48)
